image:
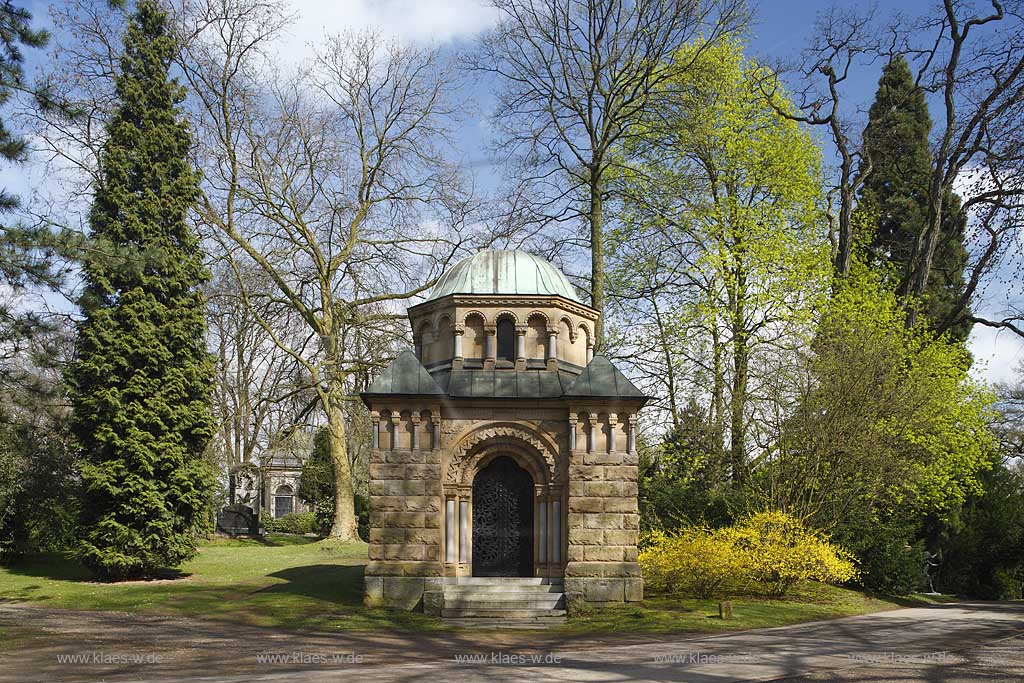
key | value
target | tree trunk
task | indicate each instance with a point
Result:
(670, 372)
(718, 391)
(738, 400)
(597, 299)
(345, 526)
(922, 264)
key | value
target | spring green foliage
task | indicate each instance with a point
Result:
(141, 380)
(722, 236)
(890, 431)
(895, 194)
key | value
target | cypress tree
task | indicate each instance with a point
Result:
(140, 382)
(895, 194)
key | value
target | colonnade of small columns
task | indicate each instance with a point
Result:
(491, 346)
(592, 422)
(390, 422)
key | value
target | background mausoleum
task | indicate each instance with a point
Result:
(503, 446)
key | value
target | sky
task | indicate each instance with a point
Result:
(780, 29)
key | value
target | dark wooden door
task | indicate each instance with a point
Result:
(503, 520)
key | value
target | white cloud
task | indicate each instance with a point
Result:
(409, 20)
(996, 353)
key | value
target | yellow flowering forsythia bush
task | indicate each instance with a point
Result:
(779, 551)
(696, 561)
(767, 552)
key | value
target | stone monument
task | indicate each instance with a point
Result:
(504, 450)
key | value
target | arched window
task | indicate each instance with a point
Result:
(506, 340)
(284, 501)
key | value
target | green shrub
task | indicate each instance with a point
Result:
(293, 523)
(890, 565)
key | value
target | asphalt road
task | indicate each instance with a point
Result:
(957, 643)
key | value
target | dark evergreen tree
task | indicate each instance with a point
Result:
(141, 380)
(894, 194)
(20, 261)
(316, 488)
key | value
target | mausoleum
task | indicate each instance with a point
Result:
(503, 475)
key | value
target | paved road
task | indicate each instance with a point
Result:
(960, 643)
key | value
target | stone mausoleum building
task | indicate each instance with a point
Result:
(503, 479)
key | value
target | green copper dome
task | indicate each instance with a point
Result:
(495, 271)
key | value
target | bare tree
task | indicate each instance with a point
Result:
(261, 392)
(844, 40)
(334, 185)
(972, 61)
(577, 76)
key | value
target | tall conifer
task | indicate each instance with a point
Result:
(141, 379)
(895, 193)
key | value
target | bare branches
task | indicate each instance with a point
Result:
(577, 76)
(844, 40)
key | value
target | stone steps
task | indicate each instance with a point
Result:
(500, 589)
(504, 602)
(502, 613)
(478, 623)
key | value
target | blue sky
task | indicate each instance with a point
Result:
(781, 29)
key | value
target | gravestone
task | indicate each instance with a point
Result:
(238, 520)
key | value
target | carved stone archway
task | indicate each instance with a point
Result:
(532, 452)
(475, 449)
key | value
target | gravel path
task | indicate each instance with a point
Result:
(953, 643)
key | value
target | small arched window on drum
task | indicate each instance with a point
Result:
(506, 340)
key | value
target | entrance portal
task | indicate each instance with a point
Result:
(503, 520)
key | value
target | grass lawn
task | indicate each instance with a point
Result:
(808, 602)
(295, 582)
(282, 581)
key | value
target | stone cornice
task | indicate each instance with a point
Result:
(503, 300)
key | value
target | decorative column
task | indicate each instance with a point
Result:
(572, 433)
(463, 531)
(392, 428)
(490, 334)
(435, 419)
(590, 351)
(417, 343)
(415, 431)
(375, 429)
(556, 532)
(631, 437)
(521, 347)
(613, 422)
(552, 349)
(591, 432)
(457, 359)
(450, 505)
(542, 524)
